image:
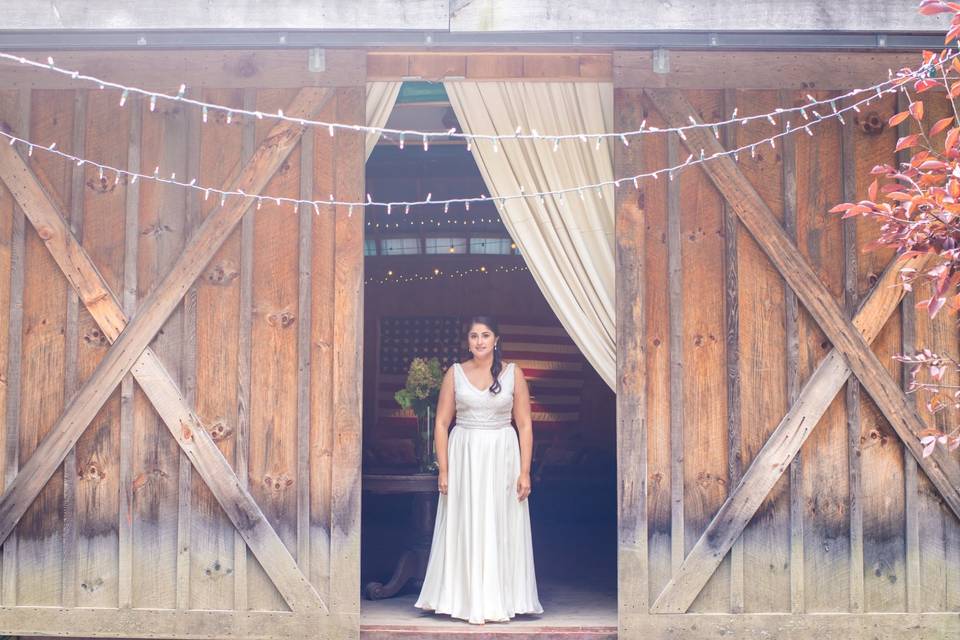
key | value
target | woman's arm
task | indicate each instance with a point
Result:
(521, 415)
(446, 406)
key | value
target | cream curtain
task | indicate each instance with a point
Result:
(567, 242)
(381, 96)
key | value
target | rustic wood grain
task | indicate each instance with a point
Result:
(347, 370)
(205, 243)
(704, 397)
(16, 113)
(632, 548)
(159, 70)
(96, 467)
(214, 568)
(158, 575)
(761, 370)
(654, 200)
(779, 249)
(273, 381)
(131, 227)
(40, 530)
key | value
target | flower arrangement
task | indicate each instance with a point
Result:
(420, 394)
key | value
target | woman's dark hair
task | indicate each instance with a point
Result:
(497, 366)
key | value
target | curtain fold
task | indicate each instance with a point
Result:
(567, 242)
(381, 96)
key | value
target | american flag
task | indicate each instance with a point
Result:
(551, 362)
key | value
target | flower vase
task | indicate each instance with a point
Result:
(426, 457)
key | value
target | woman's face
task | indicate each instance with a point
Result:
(481, 340)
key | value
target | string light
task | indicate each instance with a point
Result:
(426, 135)
(392, 277)
(499, 200)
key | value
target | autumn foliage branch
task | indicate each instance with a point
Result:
(917, 204)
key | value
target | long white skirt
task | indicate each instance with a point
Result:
(481, 560)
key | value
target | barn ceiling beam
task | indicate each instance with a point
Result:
(841, 331)
(131, 353)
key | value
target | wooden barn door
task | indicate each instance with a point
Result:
(181, 451)
(771, 479)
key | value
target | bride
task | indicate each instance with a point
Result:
(481, 560)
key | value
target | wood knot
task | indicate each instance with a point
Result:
(45, 232)
(696, 234)
(101, 185)
(96, 339)
(277, 482)
(870, 123)
(220, 431)
(157, 230)
(222, 273)
(185, 431)
(283, 319)
(92, 471)
(92, 585)
(153, 475)
(247, 68)
(216, 570)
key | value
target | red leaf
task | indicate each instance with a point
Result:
(925, 84)
(940, 126)
(900, 117)
(916, 110)
(933, 8)
(872, 191)
(907, 141)
(951, 140)
(899, 196)
(952, 35)
(842, 207)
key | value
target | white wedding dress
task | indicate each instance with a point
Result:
(481, 561)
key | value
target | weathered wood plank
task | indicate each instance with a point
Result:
(245, 354)
(191, 220)
(97, 464)
(749, 207)
(202, 247)
(799, 70)
(214, 572)
(158, 568)
(129, 302)
(943, 470)
(884, 567)
(490, 65)
(825, 484)
(749, 15)
(156, 70)
(761, 369)
(322, 314)
(792, 362)
(273, 383)
(304, 363)
(348, 358)
(16, 113)
(848, 177)
(704, 396)
(71, 340)
(877, 626)
(731, 306)
(40, 530)
(632, 547)
(677, 406)
(657, 323)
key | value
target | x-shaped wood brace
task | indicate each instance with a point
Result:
(130, 351)
(851, 353)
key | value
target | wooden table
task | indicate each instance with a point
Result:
(413, 561)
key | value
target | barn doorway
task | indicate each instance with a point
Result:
(427, 272)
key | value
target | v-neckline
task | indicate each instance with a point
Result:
(472, 386)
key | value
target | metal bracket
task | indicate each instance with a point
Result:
(317, 60)
(661, 61)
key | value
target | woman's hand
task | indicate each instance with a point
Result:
(523, 486)
(442, 482)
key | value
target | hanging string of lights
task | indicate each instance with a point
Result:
(430, 222)
(392, 277)
(560, 194)
(424, 137)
